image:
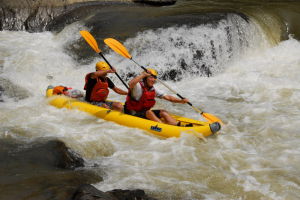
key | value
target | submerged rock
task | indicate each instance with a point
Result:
(156, 2)
(89, 192)
(9, 89)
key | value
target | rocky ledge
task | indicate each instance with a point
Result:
(35, 15)
(89, 192)
(45, 169)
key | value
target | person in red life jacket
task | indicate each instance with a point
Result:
(97, 84)
(141, 99)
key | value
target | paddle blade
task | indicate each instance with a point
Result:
(211, 118)
(90, 40)
(117, 47)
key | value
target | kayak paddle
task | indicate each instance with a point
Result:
(120, 49)
(93, 43)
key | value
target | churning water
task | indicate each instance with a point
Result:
(231, 69)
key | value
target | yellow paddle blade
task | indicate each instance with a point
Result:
(211, 118)
(208, 116)
(117, 47)
(90, 40)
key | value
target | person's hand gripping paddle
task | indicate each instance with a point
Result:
(92, 42)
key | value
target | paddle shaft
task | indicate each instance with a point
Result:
(115, 72)
(201, 112)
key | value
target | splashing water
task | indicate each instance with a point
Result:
(254, 89)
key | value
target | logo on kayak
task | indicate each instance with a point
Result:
(156, 128)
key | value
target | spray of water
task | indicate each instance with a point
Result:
(253, 88)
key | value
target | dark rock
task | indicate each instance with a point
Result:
(29, 19)
(63, 156)
(89, 192)
(156, 2)
(130, 194)
(41, 170)
(35, 15)
(52, 153)
(172, 74)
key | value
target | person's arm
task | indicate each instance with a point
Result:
(102, 73)
(112, 86)
(175, 99)
(137, 79)
(119, 91)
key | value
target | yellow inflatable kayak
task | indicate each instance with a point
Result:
(198, 129)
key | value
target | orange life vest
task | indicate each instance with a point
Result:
(146, 102)
(100, 90)
(59, 90)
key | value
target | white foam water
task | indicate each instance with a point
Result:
(254, 89)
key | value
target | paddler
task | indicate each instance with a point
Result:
(141, 98)
(97, 84)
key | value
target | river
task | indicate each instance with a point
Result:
(238, 60)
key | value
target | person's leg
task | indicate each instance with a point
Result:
(152, 116)
(117, 106)
(105, 106)
(168, 118)
(101, 104)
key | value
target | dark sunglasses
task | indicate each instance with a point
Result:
(154, 76)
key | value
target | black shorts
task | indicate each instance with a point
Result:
(100, 103)
(141, 114)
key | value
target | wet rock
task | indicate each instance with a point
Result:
(156, 2)
(35, 15)
(172, 74)
(49, 154)
(130, 194)
(29, 19)
(89, 192)
(60, 155)
(7, 88)
(41, 170)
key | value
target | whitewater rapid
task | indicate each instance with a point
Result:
(254, 88)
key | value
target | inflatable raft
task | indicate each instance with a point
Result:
(198, 129)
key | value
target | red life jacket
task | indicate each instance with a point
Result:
(146, 102)
(100, 90)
